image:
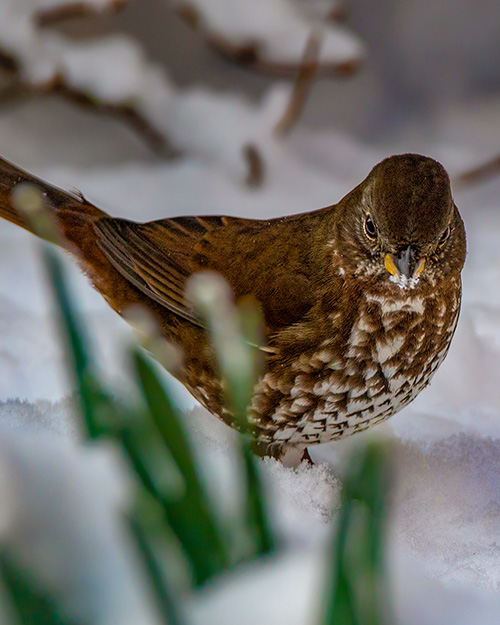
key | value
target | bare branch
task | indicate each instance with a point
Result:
(157, 142)
(255, 164)
(250, 54)
(337, 14)
(127, 113)
(482, 172)
(74, 10)
(155, 121)
(302, 88)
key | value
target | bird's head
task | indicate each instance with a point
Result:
(400, 225)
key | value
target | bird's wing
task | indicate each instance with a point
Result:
(256, 257)
(133, 252)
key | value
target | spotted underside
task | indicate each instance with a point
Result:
(390, 355)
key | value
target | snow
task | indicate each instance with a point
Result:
(279, 29)
(116, 71)
(42, 476)
(444, 533)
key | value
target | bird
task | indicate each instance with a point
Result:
(360, 300)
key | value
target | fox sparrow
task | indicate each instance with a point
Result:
(360, 299)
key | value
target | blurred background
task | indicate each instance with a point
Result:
(257, 108)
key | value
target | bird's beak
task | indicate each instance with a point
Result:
(405, 263)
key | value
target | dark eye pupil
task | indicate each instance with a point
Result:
(370, 229)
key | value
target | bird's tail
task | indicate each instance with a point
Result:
(63, 206)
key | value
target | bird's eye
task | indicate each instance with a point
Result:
(370, 228)
(444, 237)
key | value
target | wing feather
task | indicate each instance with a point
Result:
(147, 267)
(256, 258)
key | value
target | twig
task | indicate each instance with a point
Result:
(337, 14)
(74, 10)
(248, 54)
(158, 143)
(302, 87)
(486, 170)
(255, 164)
(125, 112)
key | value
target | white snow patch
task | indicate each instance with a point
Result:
(115, 71)
(278, 28)
(62, 510)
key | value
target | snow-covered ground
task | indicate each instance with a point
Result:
(445, 532)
